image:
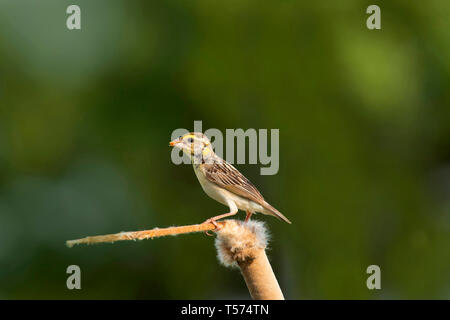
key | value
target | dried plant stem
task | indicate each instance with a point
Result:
(260, 279)
(239, 244)
(145, 234)
(243, 244)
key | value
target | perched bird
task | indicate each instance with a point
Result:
(221, 181)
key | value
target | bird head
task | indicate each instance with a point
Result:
(195, 145)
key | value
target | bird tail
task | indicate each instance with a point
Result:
(274, 212)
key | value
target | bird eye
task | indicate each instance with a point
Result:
(190, 140)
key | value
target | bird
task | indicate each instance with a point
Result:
(221, 181)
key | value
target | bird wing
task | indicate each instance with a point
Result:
(228, 177)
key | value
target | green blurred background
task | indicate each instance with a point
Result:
(86, 117)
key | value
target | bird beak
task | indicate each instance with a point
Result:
(174, 142)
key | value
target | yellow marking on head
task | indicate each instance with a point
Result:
(205, 151)
(188, 135)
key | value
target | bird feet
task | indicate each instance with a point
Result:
(247, 217)
(214, 219)
(217, 227)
